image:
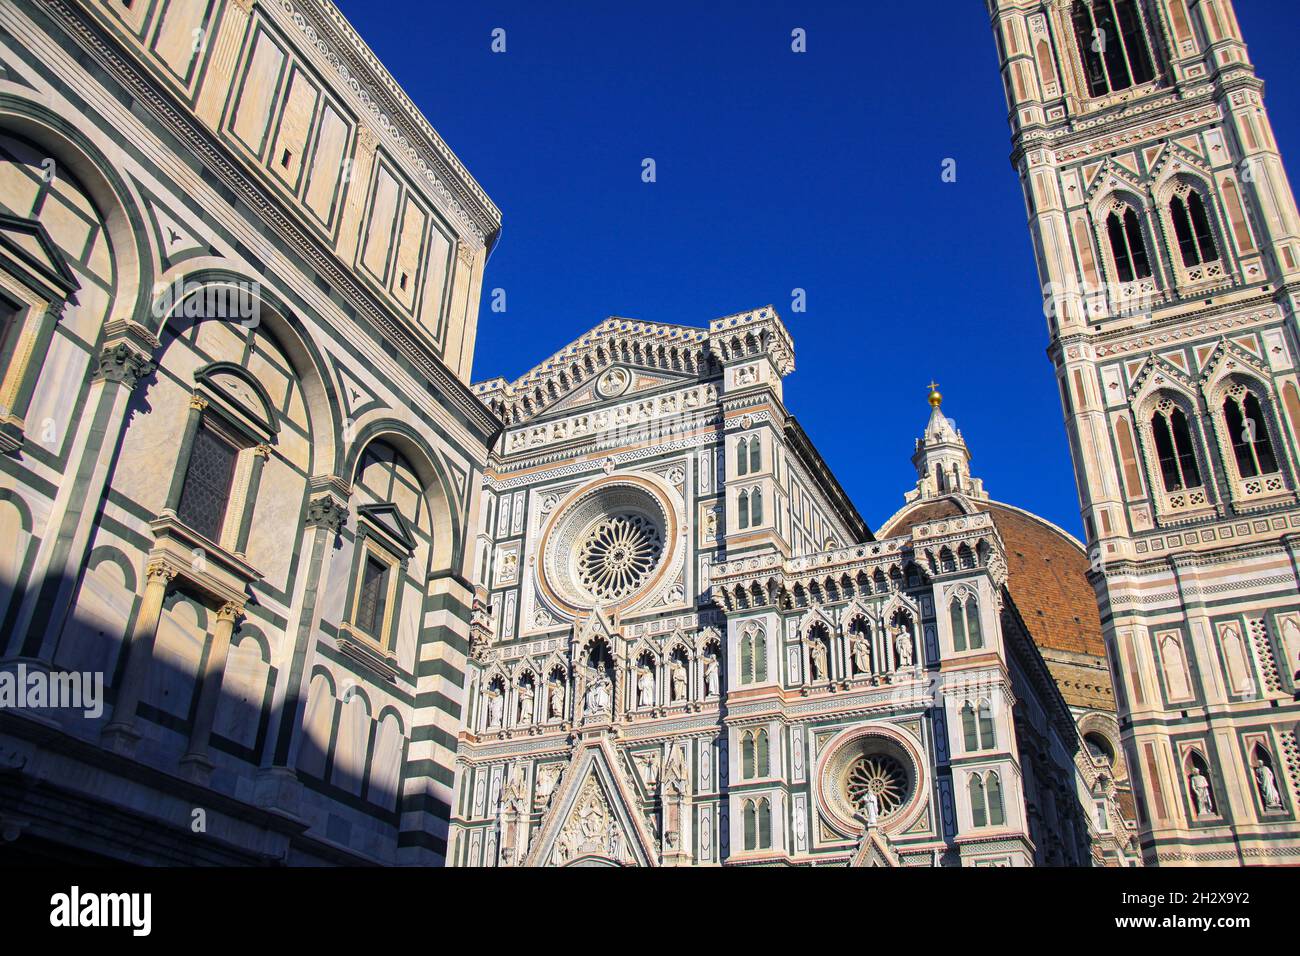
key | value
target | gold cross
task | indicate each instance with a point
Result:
(933, 385)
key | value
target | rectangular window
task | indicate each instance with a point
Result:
(8, 327)
(373, 596)
(206, 492)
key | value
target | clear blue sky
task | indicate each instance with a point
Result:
(776, 171)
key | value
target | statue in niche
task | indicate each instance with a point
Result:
(1267, 784)
(598, 696)
(675, 780)
(903, 647)
(526, 696)
(495, 706)
(710, 676)
(677, 671)
(861, 655)
(817, 655)
(555, 699)
(513, 798)
(645, 687)
(1200, 787)
(548, 777)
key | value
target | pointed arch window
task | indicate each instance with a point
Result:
(742, 508)
(1127, 247)
(742, 456)
(997, 813)
(964, 617)
(1192, 229)
(1112, 45)
(977, 726)
(758, 824)
(755, 454)
(755, 760)
(1173, 440)
(753, 657)
(756, 508)
(978, 804)
(1252, 448)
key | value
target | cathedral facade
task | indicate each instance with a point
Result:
(691, 649)
(280, 585)
(1168, 245)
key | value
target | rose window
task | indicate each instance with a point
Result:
(610, 545)
(882, 775)
(617, 556)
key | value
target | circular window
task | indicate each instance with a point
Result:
(608, 546)
(617, 556)
(882, 775)
(879, 761)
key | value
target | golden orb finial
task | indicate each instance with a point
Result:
(936, 399)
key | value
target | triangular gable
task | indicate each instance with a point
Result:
(389, 519)
(28, 242)
(874, 849)
(1158, 373)
(675, 352)
(593, 817)
(1229, 357)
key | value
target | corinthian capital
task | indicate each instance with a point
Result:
(124, 365)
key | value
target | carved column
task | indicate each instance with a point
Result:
(196, 760)
(121, 733)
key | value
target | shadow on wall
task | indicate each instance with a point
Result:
(349, 755)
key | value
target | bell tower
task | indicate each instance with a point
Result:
(1168, 247)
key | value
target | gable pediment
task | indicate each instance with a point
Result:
(592, 818)
(618, 357)
(27, 242)
(387, 519)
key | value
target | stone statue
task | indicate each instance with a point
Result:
(526, 696)
(512, 799)
(903, 647)
(555, 700)
(820, 666)
(495, 707)
(645, 687)
(598, 701)
(1201, 792)
(547, 779)
(861, 655)
(1267, 785)
(872, 806)
(677, 670)
(710, 676)
(675, 773)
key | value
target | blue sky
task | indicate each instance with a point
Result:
(775, 171)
